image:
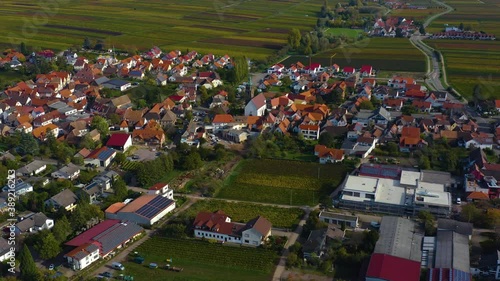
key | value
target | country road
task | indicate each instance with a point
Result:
(436, 67)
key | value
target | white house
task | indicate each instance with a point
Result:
(83, 256)
(33, 168)
(310, 132)
(218, 226)
(34, 223)
(161, 189)
(20, 188)
(256, 106)
(69, 172)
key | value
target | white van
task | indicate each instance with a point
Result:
(118, 266)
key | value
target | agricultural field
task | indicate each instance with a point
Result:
(416, 14)
(347, 32)
(389, 54)
(201, 261)
(243, 212)
(470, 63)
(255, 28)
(282, 182)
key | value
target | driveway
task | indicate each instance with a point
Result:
(143, 154)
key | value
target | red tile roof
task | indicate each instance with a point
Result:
(91, 233)
(391, 268)
(223, 118)
(118, 139)
(476, 195)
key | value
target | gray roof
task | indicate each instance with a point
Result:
(116, 82)
(436, 177)
(101, 80)
(399, 237)
(452, 251)
(64, 198)
(4, 246)
(338, 216)
(82, 254)
(32, 220)
(464, 228)
(364, 114)
(31, 167)
(116, 235)
(314, 241)
(384, 113)
(20, 185)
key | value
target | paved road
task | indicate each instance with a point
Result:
(292, 238)
(434, 63)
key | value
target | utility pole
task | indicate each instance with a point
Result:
(291, 197)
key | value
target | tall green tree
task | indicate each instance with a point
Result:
(101, 125)
(294, 38)
(28, 145)
(62, 229)
(47, 247)
(27, 265)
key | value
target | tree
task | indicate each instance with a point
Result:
(408, 110)
(366, 105)
(294, 38)
(399, 32)
(429, 222)
(120, 158)
(87, 142)
(23, 49)
(461, 26)
(86, 43)
(120, 188)
(327, 140)
(47, 246)
(292, 260)
(424, 163)
(422, 30)
(192, 161)
(101, 125)
(28, 145)
(469, 212)
(204, 97)
(62, 229)
(27, 265)
(324, 9)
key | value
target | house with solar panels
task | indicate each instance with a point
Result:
(145, 210)
(104, 238)
(100, 157)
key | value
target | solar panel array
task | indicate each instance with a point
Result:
(106, 154)
(155, 206)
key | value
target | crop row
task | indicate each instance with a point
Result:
(204, 252)
(243, 212)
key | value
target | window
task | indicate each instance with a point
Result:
(370, 196)
(356, 194)
(246, 241)
(246, 235)
(348, 193)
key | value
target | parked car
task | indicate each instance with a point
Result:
(107, 274)
(51, 267)
(117, 265)
(459, 201)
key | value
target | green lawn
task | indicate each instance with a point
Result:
(201, 261)
(252, 28)
(243, 212)
(282, 181)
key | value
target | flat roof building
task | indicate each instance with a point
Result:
(405, 195)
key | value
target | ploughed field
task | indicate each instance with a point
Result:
(255, 28)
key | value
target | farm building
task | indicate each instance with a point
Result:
(145, 210)
(120, 141)
(107, 236)
(218, 226)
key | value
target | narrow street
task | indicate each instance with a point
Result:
(280, 268)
